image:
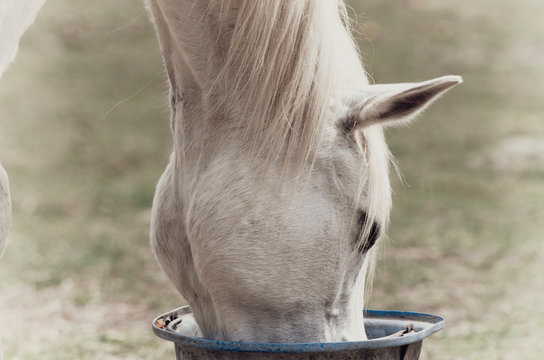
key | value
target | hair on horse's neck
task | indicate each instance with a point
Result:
(272, 68)
(284, 74)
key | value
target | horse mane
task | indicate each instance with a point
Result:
(285, 61)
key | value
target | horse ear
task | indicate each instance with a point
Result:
(395, 104)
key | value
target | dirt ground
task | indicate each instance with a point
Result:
(84, 135)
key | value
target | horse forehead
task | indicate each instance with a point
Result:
(340, 150)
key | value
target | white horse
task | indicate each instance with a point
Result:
(278, 185)
(15, 17)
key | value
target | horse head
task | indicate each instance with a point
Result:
(277, 190)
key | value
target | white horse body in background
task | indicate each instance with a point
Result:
(278, 184)
(15, 17)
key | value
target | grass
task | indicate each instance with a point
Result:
(84, 135)
(466, 241)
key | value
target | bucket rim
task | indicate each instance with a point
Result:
(436, 323)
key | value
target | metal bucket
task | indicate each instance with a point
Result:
(378, 324)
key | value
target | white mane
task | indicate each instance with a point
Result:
(284, 63)
(281, 78)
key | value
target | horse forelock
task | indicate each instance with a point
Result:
(266, 69)
(285, 61)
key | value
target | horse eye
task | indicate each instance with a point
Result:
(363, 245)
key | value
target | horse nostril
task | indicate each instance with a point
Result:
(363, 245)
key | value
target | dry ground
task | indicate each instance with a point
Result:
(84, 135)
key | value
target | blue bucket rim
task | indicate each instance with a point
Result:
(437, 324)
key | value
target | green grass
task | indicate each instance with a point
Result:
(84, 135)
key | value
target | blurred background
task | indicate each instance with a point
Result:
(84, 136)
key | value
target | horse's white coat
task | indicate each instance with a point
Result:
(15, 17)
(278, 156)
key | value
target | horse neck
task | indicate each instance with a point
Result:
(236, 90)
(193, 37)
(193, 41)
(266, 69)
